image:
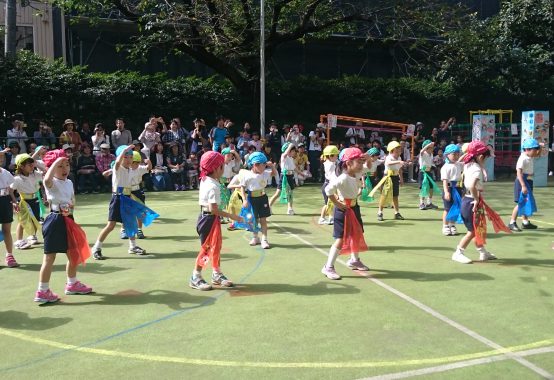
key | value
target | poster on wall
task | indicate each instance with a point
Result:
(535, 124)
(484, 128)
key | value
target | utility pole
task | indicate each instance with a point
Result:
(262, 69)
(11, 29)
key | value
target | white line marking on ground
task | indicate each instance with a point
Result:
(462, 364)
(437, 315)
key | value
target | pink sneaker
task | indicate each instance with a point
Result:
(10, 261)
(77, 288)
(254, 241)
(357, 265)
(46, 296)
(265, 244)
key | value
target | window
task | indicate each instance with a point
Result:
(23, 38)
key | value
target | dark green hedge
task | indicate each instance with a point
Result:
(50, 90)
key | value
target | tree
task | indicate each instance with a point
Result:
(224, 34)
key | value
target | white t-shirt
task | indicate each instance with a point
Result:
(314, 144)
(61, 192)
(329, 168)
(287, 163)
(228, 170)
(27, 184)
(452, 171)
(374, 164)
(122, 177)
(6, 179)
(388, 166)
(210, 192)
(345, 186)
(473, 171)
(425, 159)
(254, 182)
(526, 164)
(136, 174)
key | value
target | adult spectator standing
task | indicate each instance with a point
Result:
(315, 148)
(274, 141)
(295, 137)
(18, 135)
(86, 133)
(444, 129)
(406, 156)
(355, 135)
(71, 136)
(99, 138)
(419, 136)
(121, 136)
(219, 132)
(44, 136)
(103, 163)
(175, 134)
(199, 136)
(149, 137)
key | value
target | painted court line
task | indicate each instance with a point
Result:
(463, 364)
(437, 315)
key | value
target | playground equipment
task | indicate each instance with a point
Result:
(337, 121)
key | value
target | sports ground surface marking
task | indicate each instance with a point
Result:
(436, 314)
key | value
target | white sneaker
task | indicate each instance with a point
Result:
(32, 240)
(254, 241)
(550, 173)
(322, 221)
(453, 230)
(446, 231)
(461, 258)
(290, 211)
(265, 244)
(330, 273)
(22, 244)
(331, 221)
(485, 255)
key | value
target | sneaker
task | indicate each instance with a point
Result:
(529, 226)
(330, 273)
(123, 235)
(514, 227)
(22, 244)
(432, 206)
(32, 240)
(412, 181)
(223, 220)
(290, 211)
(380, 217)
(356, 265)
(485, 255)
(177, 188)
(77, 288)
(220, 279)
(422, 206)
(10, 261)
(461, 258)
(97, 254)
(265, 244)
(397, 216)
(322, 221)
(446, 231)
(46, 296)
(254, 241)
(331, 221)
(550, 173)
(136, 250)
(140, 234)
(231, 227)
(453, 230)
(199, 283)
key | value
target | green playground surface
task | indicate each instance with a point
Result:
(416, 313)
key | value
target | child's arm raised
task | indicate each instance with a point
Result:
(119, 159)
(49, 176)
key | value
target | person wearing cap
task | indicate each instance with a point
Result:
(61, 233)
(87, 175)
(44, 136)
(8, 205)
(330, 156)
(103, 164)
(302, 165)
(120, 136)
(474, 210)
(426, 183)
(523, 186)
(286, 185)
(253, 193)
(390, 183)
(348, 230)
(27, 182)
(123, 209)
(17, 134)
(208, 225)
(137, 192)
(371, 165)
(451, 175)
(70, 136)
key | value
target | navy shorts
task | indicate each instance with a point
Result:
(260, 206)
(325, 197)
(467, 212)
(6, 209)
(448, 204)
(140, 195)
(290, 180)
(374, 180)
(517, 189)
(204, 226)
(35, 206)
(395, 185)
(338, 216)
(114, 211)
(54, 232)
(420, 177)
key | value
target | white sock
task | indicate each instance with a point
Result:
(71, 280)
(354, 256)
(43, 286)
(525, 221)
(422, 200)
(445, 225)
(512, 221)
(255, 235)
(132, 243)
(196, 273)
(429, 200)
(98, 244)
(460, 250)
(333, 254)
(264, 237)
(481, 249)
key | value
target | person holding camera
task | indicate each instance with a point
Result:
(219, 132)
(17, 134)
(199, 136)
(44, 136)
(317, 138)
(98, 139)
(295, 137)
